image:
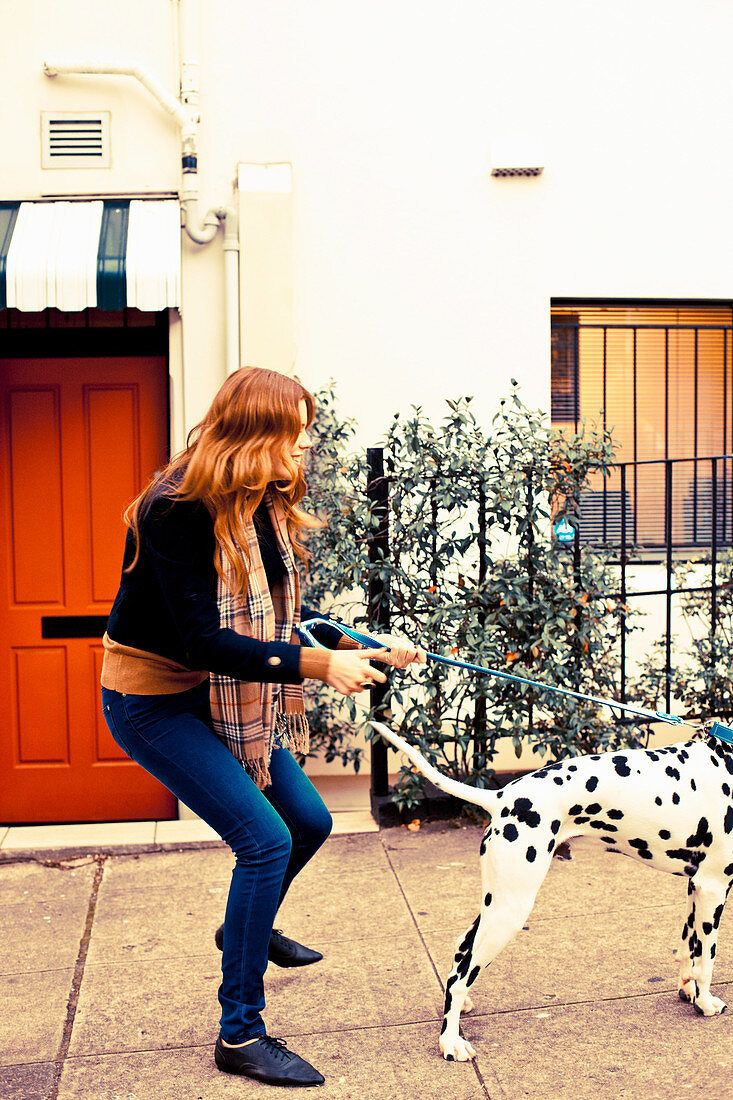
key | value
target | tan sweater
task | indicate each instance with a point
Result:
(135, 672)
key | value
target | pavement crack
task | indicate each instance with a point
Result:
(76, 981)
(413, 917)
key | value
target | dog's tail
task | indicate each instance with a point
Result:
(480, 797)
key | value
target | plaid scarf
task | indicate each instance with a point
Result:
(247, 715)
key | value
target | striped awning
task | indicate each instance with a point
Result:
(106, 254)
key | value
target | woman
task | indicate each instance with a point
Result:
(202, 675)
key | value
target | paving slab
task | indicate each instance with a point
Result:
(158, 923)
(393, 1063)
(650, 1047)
(44, 912)
(31, 1082)
(33, 1015)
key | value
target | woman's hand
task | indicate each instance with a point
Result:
(349, 670)
(401, 652)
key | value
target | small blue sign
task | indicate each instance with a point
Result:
(564, 531)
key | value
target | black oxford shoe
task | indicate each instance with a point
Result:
(282, 951)
(267, 1060)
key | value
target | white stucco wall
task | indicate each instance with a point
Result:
(416, 275)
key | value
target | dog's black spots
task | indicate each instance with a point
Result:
(444, 1025)
(576, 809)
(693, 784)
(558, 780)
(728, 820)
(728, 763)
(499, 794)
(523, 811)
(726, 790)
(531, 854)
(616, 815)
(702, 837)
(594, 808)
(642, 847)
(728, 871)
(496, 832)
(696, 952)
(487, 900)
(712, 950)
(685, 933)
(621, 764)
(675, 799)
(717, 915)
(715, 762)
(691, 890)
(505, 811)
(690, 870)
(591, 783)
(467, 942)
(464, 963)
(580, 820)
(555, 826)
(665, 834)
(679, 853)
(510, 831)
(473, 975)
(482, 846)
(449, 1058)
(682, 754)
(550, 846)
(652, 755)
(707, 927)
(672, 773)
(596, 756)
(605, 825)
(658, 801)
(572, 767)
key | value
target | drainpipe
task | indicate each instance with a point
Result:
(231, 287)
(186, 115)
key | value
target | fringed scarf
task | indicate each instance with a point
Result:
(246, 716)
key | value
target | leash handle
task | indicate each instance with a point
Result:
(366, 640)
(304, 631)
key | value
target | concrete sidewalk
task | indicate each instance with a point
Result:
(109, 977)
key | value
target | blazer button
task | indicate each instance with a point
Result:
(273, 661)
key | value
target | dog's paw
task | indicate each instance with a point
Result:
(467, 1006)
(707, 1005)
(687, 990)
(456, 1049)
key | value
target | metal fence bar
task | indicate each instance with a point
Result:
(378, 599)
(668, 534)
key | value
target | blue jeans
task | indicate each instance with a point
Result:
(272, 833)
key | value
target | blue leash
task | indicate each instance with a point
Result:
(304, 630)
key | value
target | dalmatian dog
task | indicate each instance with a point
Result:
(671, 808)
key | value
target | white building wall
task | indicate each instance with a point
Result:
(416, 275)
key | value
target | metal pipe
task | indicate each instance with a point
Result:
(231, 288)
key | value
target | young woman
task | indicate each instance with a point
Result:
(202, 676)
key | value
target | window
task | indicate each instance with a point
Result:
(660, 379)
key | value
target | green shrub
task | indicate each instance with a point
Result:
(473, 572)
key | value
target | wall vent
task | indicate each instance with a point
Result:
(75, 139)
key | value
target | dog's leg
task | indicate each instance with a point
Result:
(709, 901)
(686, 987)
(492, 930)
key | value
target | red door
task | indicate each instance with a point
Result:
(78, 438)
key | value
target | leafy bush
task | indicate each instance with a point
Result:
(473, 572)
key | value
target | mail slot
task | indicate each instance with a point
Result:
(73, 626)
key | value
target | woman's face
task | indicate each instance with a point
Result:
(295, 451)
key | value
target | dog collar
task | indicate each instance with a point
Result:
(723, 733)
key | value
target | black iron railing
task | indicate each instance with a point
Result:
(654, 513)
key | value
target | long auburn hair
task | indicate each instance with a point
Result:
(229, 461)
